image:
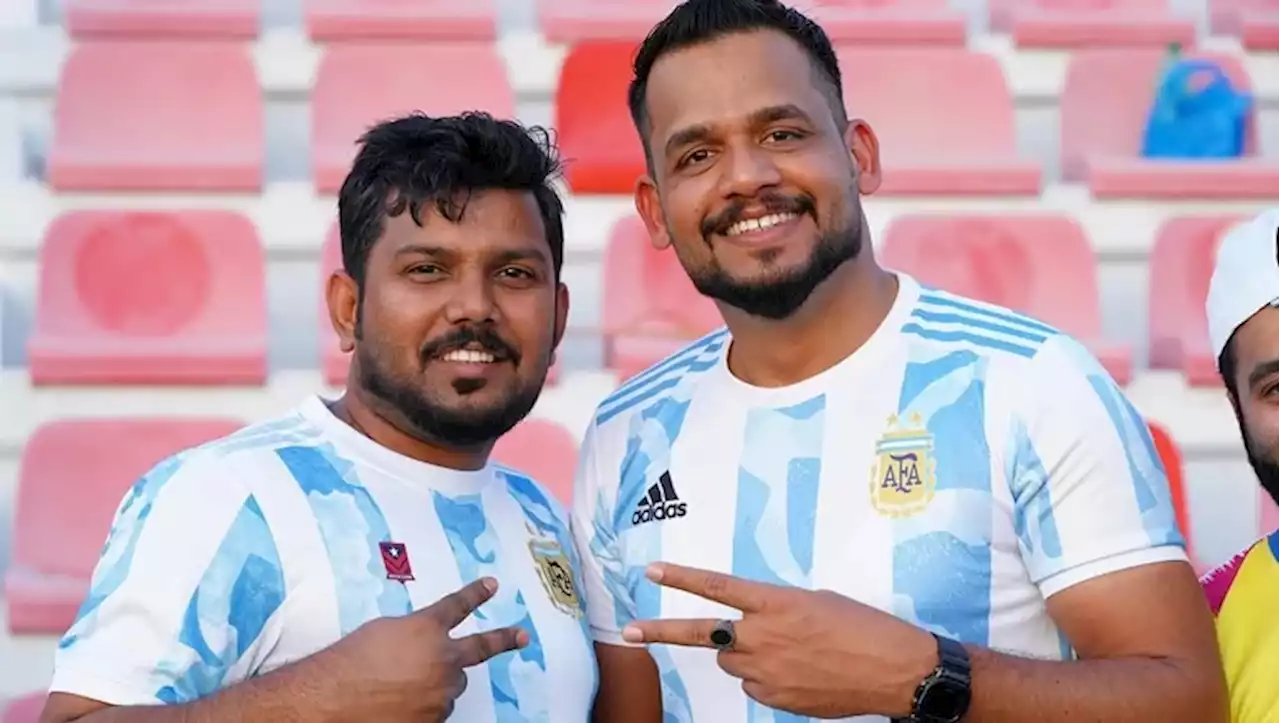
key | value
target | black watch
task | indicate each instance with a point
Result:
(943, 696)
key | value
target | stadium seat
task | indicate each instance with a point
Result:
(1171, 458)
(1040, 265)
(162, 18)
(890, 22)
(355, 89)
(342, 20)
(1182, 261)
(23, 710)
(150, 298)
(333, 362)
(1105, 103)
(544, 450)
(1255, 22)
(71, 479)
(598, 140)
(1085, 23)
(157, 115)
(651, 309)
(944, 118)
(575, 21)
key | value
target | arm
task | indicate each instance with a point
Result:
(1099, 537)
(629, 689)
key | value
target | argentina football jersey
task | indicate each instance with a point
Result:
(963, 466)
(238, 557)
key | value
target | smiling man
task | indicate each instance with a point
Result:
(880, 499)
(303, 570)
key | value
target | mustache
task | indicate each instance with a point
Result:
(484, 336)
(772, 203)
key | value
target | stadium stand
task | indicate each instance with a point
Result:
(575, 21)
(1090, 23)
(342, 20)
(72, 479)
(891, 22)
(157, 115)
(23, 710)
(355, 88)
(162, 18)
(1041, 265)
(597, 141)
(1104, 110)
(546, 451)
(150, 298)
(1254, 21)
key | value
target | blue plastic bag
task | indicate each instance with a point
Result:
(1197, 113)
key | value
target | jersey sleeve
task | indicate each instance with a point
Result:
(609, 602)
(1089, 490)
(184, 596)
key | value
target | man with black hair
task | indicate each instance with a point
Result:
(1244, 331)
(864, 497)
(312, 568)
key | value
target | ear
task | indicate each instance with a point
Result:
(342, 295)
(649, 206)
(562, 315)
(865, 149)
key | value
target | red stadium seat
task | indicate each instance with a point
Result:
(157, 115)
(1181, 263)
(1256, 22)
(150, 298)
(651, 309)
(23, 710)
(944, 118)
(1042, 266)
(543, 450)
(342, 20)
(162, 18)
(891, 22)
(1105, 103)
(71, 479)
(574, 21)
(1084, 23)
(598, 141)
(1171, 458)
(354, 90)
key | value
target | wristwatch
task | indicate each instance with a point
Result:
(943, 696)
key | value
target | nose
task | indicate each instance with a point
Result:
(748, 169)
(472, 301)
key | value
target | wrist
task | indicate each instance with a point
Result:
(919, 659)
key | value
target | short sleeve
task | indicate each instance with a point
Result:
(184, 595)
(609, 603)
(1090, 492)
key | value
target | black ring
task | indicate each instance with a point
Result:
(723, 636)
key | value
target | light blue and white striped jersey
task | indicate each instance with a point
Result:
(232, 559)
(961, 467)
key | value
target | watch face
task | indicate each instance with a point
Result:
(945, 701)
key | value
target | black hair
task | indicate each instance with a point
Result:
(700, 21)
(1227, 368)
(410, 161)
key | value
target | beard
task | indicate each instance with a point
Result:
(1264, 465)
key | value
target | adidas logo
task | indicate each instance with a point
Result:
(660, 504)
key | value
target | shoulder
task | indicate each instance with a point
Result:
(540, 506)
(1219, 582)
(673, 375)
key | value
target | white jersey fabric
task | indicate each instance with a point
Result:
(964, 465)
(237, 557)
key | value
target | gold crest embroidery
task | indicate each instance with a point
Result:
(556, 573)
(903, 478)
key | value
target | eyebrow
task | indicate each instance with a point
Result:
(505, 257)
(1264, 370)
(762, 116)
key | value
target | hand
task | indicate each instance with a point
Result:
(409, 668)
(811, 653)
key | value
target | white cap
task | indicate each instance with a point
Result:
(1246, 277)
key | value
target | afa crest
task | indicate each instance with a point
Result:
(556, 573)
(903, 478)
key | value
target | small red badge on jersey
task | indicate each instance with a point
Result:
(395, 558)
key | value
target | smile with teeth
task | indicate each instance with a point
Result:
(469, 356)
(756, 224)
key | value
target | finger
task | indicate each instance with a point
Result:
(733, 591)
(737, 664)
(477, 648)
(453, 608)
(689, 633)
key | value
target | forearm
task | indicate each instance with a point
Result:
(1009, 689)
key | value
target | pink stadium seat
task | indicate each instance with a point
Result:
(72, 477)
(545, 451)
(944, 118)
(157, 115)
(354, 90)
(1171, 458)
(1084, 23)
(598, 141)
(150, 298)
(574, 21)
(23, 710)
(1256, 22)
(1105, 103)
(162, 18)
(1039, 265)
(891, 22)
(651, 309)
(330, 20)
(1181, 264)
